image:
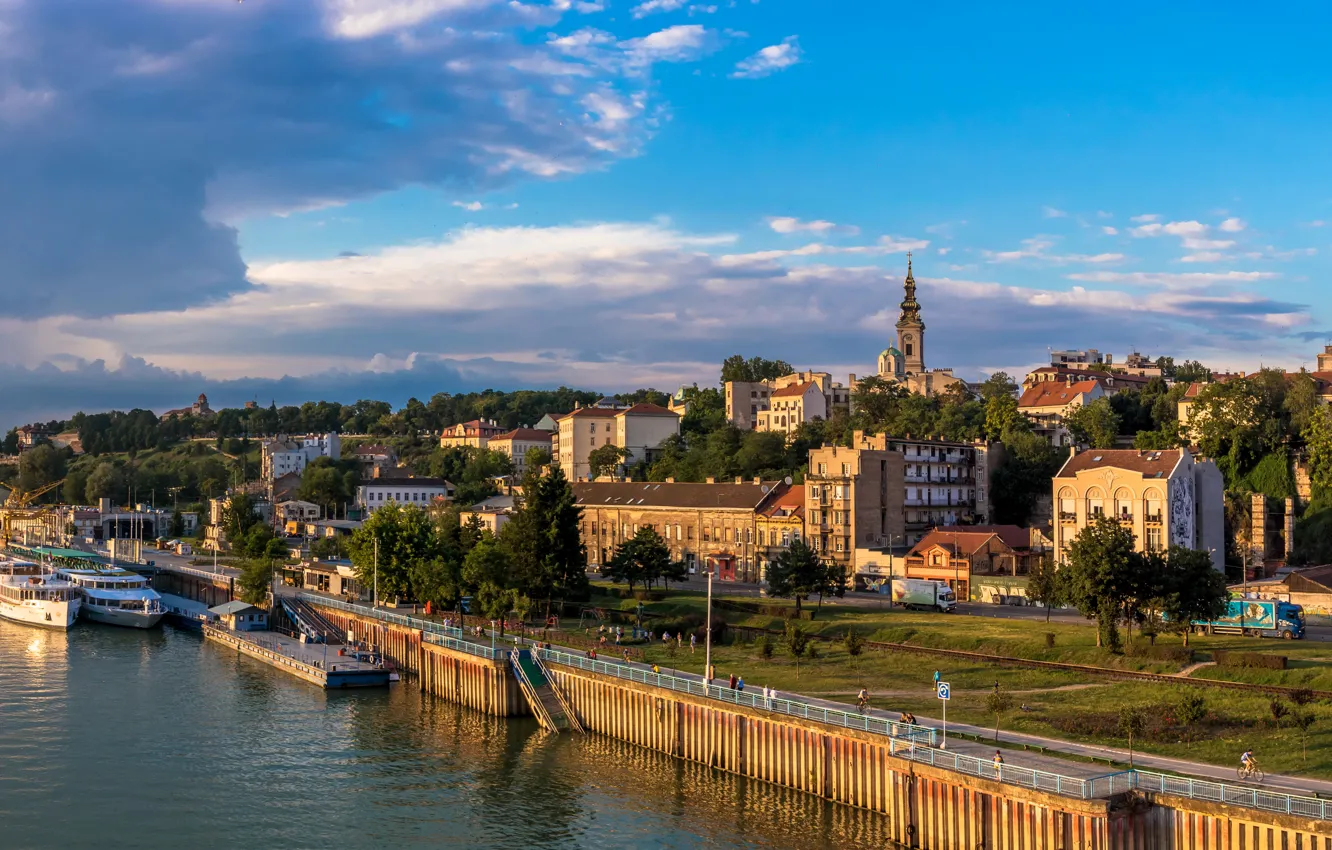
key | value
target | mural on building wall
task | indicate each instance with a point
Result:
(1181, 511)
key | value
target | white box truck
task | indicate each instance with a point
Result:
(921, 594)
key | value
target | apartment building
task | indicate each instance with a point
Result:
(707, 526)
(779, 522)
(423, 492)
(945, 483)
(283, 456)
(1166, 498)
(854, 499)
(517, 443)
(639, 430)
(1049, 403)
(748, 401)
(476, 434)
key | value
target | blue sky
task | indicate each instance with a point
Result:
(378, 197)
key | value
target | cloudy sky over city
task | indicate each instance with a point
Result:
(291, 199)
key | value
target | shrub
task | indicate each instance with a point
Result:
(765, 646)
(1049, 640)
(811, 651)
(1175, 654)
(1279, 710)
(1253, 660)
(797, 640)
(1301, 696)
(855, 644)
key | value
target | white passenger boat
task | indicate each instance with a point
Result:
(28, 596)
(115, 596)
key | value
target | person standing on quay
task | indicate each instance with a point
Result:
(693, 643)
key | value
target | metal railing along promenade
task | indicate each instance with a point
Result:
(913, 742)
(1235, 795)
(431, 632)
(732, 696)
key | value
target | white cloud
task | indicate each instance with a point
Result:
(680, 43)
(1104, 214)
(943, 252)
(1317, 223)
(1038, 248)
(770, 60)
(1052, 212)
(1110, 231)
(1194, 237)
(470, 206)
(787, 224)
(1143, 219)
(1174, 280)
(1232, 225)
(652, 7)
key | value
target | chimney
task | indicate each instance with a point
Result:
(709, 480)
(1072, 451)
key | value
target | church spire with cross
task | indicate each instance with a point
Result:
(910, 328)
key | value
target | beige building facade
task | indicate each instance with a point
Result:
(476, 434)
(639, 430)
(748, 402)
(1166, 498)
(1048, 404)
(707, 526)
(854, 499)
(517, 443)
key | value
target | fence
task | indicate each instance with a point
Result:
(916, 743)
(1220, 792)
(830, 716)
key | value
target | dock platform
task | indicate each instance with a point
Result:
(318, 664)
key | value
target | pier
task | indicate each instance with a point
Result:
(318, 664)
(935, 799)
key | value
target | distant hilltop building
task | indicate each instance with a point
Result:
(199, 409)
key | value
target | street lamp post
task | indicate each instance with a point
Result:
(375, 598)
(707, 652)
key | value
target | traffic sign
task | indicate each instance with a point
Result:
(941, 690)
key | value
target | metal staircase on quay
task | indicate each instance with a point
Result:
(551, 708)
(312, 624)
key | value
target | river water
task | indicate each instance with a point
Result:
(115, 738)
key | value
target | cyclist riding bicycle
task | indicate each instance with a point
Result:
(1249, 766)
(1247, 759)
(862, 699)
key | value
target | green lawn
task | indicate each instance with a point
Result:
(1067, 705)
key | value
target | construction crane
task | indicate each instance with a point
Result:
(20, 499)
(16, 509)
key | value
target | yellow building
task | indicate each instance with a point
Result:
(778, 523)
(1166, 498)
(854, 499)
(1047, 404)
(476, 433)
(639, 430)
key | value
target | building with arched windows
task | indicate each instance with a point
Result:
(1166, 498)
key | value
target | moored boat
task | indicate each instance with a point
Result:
(115, 596)
(27, 596)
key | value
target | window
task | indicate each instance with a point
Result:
(1153, 538)
(707, 538)
(677, 533)
(841, 545)
(846, 469)
(592, 427)
(823, 469)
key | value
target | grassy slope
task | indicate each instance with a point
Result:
(1072, 706)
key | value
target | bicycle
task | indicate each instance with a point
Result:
(1249, 771)
(862, 705)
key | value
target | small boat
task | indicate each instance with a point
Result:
(115, 596)
(27, 596)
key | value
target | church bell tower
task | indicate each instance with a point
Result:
(910, 329)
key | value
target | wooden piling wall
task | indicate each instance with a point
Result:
(459, 677)
(926, 808)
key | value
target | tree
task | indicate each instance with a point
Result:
(797, 643)
(405, 536)
(1317, 435)
(549, 555)
(1045, 584)
(1302, 400)
(855, 644)
(1304, 721)
(177, 526)
(535, 459)
(238, 517)
(1167, 366)
(998, 702)
(329, 548)
(877, 400)
(796, 573)
(1190, 372)
(1191, 589)
(998, 385)
(1132, 722)
(642, 559)
(255, 581)
(1025, 474)
(1278, 710)
(605, 460)
(1095, 425)
(487, 570)
(1001, 415)
(1190, 711)
(41, 465)
(737, 368)
(1101, 574)
(329, 483)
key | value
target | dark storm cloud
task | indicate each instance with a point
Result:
(129, 129)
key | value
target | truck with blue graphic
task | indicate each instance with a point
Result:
(1257, 618)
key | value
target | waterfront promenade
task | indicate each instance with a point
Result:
(1042, 772)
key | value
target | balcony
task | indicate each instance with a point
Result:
(1153, 519)
(1125, 518)
(1068, 516)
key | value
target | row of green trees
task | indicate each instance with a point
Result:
(537, 558)
(1106, 580)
